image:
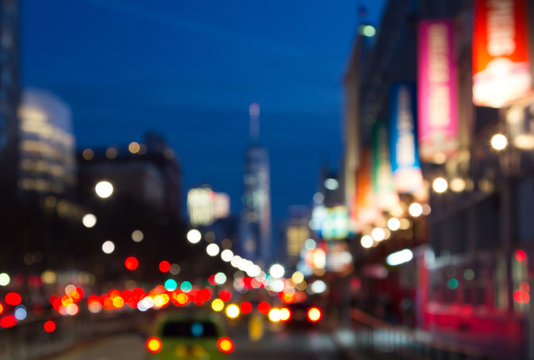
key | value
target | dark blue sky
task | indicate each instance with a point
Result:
(189, 69)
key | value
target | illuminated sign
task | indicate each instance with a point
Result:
(437, 91)
(385, 194)
(501, 63)
(336, 224)
(403, 146)
(364, 210)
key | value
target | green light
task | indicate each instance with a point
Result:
(367, 30)
(452, 284)
(171, 285)
(186, 286)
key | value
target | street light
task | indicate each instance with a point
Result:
(194, 236)
(104, 189)
(277, 271)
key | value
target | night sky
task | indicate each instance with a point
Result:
(189, 70)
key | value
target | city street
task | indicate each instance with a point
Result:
(280, 346)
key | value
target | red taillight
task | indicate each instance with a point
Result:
(153, 344)
(225, 345)
(314, 314)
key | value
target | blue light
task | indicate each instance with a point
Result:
(20, 312)
(197, 329)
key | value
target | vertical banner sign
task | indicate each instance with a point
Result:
(437, 90)
(403, 146)
(365, 211)
(501, 62)
(384, 191)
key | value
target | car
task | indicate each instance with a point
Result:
(189, 336)
(303, 315)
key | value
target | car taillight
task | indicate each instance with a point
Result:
(153, 344)
(225, 345)
(285, 314)
(314, 314)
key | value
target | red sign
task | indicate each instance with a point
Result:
(501, 62)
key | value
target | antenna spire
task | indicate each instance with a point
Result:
(254, 116)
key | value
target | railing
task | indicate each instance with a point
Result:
(29, 341)
(381, 340)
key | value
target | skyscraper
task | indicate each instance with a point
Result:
(256, 213)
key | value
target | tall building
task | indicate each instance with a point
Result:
(256, 213)
(47, 155)
(9, 95)
(204, 206)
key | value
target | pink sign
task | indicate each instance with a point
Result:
(437, 91)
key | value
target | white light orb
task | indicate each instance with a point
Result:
(194, 236)
(277, 271)
(366, 241)
(104, 189)
(227, 255)
(440, 185)
(393, 224)
(415, 210)
(378, 234)
(108, 247)
(499, 142)
(138, 236)
(89, 220)
(212, 249)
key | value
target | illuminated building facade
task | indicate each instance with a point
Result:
(204, 206)
(296, 232)
(47, 156)
(459, 250)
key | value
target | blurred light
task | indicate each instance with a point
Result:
(520, 255)
(212, 249)
(367, 30)
(264, 307)
(378, 234)
(4, 279)
(318, 286)
(469, 274)
(232, 311)
(405, 224)
(171, 285)
(145, 304)
(186, 286)
(331, 184)
(48, 277)
(415, 210)
(274, 315)
(20, 312)
(134, 147)
(285, 314)
(153, 344)
(318, 198)
(426, 209)
(8, 321)
(366, 241)
(399, 257)
(220, 278)
(225, 345)
(277, 285)
(439, 185)
(194, 236)
(1, 308)
(104, 189)
(227, 255)
(236, 259)
(393, 224)
(13, 299)
(164, 266)
(108, 247)
(314, 314)
(217, 305)
(246, 307)
(225, 295)
(138, 236)
(89, 220)
(521, 297)
(131, 263)
(277, 271)
(458, 184)
(499, 142)
(111, 153)
(310, 244)
(72, 309)
(452, 284)
(175, 269)
(88, 154)
(297, 277)
(49, 326)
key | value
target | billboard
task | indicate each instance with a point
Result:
(405, 163)
(501, 61)
(365, 211)
(437, 85)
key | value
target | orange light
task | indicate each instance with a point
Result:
(49, 326)
(1, 308)
(225, 345)
(285, 314)
(153, 344)
(131, 263)
(314, 314)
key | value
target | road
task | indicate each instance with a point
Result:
(312, 345)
